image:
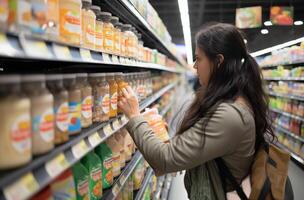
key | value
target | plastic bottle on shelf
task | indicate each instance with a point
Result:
(113, 94)
(105, 154)
(108, 32)
(98, 28)
(88, 24)
(53, 19)
(81, 180)
(117, 34)
(74, 103)
(70, 21)
(42, 113)
(86, 99)
(15, 128)
(61, 107)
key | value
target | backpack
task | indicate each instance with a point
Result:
(268, 176)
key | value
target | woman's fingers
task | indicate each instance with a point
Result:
(130, 91)
(125, 93)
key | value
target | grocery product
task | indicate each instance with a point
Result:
(98, 28)
(130, 40)
(116, 38)
(120, 139)
(39, 13)
(45, 194)
(138, 175)
(121, 83)
(53, 19)
(140, 48)
(113, 94)
(12, 15)
(115, 148)
(93, 164)
(61, 107)
(4, 11)
(42, 113)
(128, 146)
(108, 32)
(15, 137)
(24, 15)
(81, 181)
(105, 154)
(122, 39)
(86, 99)
(63, 186)
(70, 21)
(74, 103)
(135, 43)
(88, 24)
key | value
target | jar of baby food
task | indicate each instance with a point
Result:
(53, 19)
(88, 24)
(129, 40)
(113, 94)
(15, 126)
(117, 30)
(98, 28)
(122, 39)
(108, 32)
(61, 107)
(42, 113)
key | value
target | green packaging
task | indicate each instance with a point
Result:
(81, 180)
(105, 154)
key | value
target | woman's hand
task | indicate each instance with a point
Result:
(129, 103)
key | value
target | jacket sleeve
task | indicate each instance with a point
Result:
(192, 148)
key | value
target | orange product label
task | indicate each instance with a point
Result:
(108, 38)
(86, 107)
(70, 22)
(46, 126)
(88, 28)
(105, 103)
(21, 133)
(62, 117)
(114, 101)
(117, 41)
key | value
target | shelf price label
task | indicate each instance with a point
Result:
(94, 139)
(35, 48)
(22, 189)
(80, 149)
(62, 52)
(57, 165)
(106, 58)
(5, 47)
(116, 124)
(107, 130)
(124, 119)
(85, 55)
(122, 60)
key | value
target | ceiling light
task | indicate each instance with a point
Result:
(264, 31)
(280, 46)
(298, 23)
(268, 23)
(184, 14)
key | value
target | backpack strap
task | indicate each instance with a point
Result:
(226, 173)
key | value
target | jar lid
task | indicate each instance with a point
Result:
(127, 26)
(95, 8)
(119, 25)
(114, 20)
(33, 78)
(52, 77)
(82, 75)
(5, 79)
(87, 1)
(96, 74)
(69, 76)
(105, 15)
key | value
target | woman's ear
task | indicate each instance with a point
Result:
(220, 59)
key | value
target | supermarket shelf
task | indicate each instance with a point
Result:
(286, 96)
(287, 114)
(43, 169)
(37, 48)
(278, 127)
(284, 79)
(297, 159)
(128, 13)
(112, 193)
(284, 64)
(144, 184)
(166, 109)
(166, 188)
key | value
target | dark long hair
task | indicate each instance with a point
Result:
(238, 75)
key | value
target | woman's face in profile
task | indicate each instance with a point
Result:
(203, 66)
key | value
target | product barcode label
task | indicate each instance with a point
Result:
(21, 189)
(62, 52)
(35, 48)
(57, 165)
(116, 124)
(94, 139)
(85, 54)
(107, 130)
(80, 149)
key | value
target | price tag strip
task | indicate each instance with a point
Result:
(106, 58)
(5, 47)
(21, 189)
(122, 60)
(35, 48)
(94, 139)
(80, 149)
(108, 130)
(62, 52)
(124, 119)
(116, 124)
(85, 55)
(115, 59)
(57, 165)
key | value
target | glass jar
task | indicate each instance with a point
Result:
(70, 21)
(88, 25)
(69, 82)
(135, 43)
(119, 78)
(39, 16)
(113, 94)
(42, 113)
(53, 19)
(140, 48)
(117, 30)
(122, 40)
(129, 40)
(15, 127)
(61, 107)
(86, 100)
(108, 32)
(105, 98)
(98, 28)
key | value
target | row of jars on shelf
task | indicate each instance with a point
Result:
(40, 111)
(280, 71)
(291, 143)
(290, 106)
(283, 87)
(294, 126)
(78, 22)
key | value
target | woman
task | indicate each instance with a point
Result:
(227, 119)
